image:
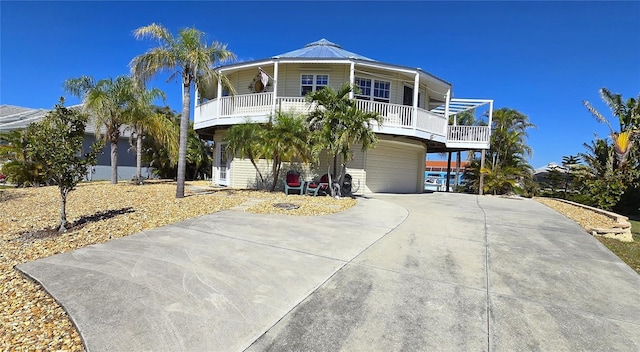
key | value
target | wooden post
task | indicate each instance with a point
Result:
(481, 187)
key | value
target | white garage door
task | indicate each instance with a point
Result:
(394, 168)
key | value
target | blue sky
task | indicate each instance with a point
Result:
(541, 58)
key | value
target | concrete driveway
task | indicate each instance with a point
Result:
(444, 272)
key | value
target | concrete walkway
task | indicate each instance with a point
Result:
(444, 272)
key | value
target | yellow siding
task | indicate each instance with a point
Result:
(290, 74)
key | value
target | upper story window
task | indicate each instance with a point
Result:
(311, 83)
(380, 91)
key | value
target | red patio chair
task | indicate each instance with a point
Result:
(293, 183)
(314, 187)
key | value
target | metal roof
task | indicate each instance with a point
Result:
(322, 49)
(18, 118)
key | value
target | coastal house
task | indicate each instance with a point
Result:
(17, 118)
(416, 107)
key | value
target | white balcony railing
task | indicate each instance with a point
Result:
(399, 118)
(247, 104)
(469, 134)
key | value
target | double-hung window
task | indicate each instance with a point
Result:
(373, 89)
(311, 83)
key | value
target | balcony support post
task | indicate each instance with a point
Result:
(446, 111)
(219, 94)
(352, 78)
(416, 91)
(275, 87)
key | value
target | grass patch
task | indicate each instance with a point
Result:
(629, 252)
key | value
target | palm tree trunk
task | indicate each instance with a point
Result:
(275, 171)
(184, 131)
(139, 158)
(114, 162)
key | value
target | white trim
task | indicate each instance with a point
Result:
(275, 86)
(351, 79)
(314, 85)
(416, 91)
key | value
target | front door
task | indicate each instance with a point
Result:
(407, 98)
(224, 164)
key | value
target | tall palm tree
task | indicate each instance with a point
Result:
(109, 100)
(338, 125)
(188, 58)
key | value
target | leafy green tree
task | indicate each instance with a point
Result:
(338, 125)
(56, 143)
(191, 60)
(109, 101)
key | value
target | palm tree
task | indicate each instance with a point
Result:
(338, 125)
(507, 153)
(109, 101)
(629, 116)
(144, 119)
(191, 60)
(246, 140)
(285, 138)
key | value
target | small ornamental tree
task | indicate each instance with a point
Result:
(56, 143)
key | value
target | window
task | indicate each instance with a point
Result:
(381, 89)
(311, 83)
(365, 87)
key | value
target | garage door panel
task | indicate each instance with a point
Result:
(393, 168)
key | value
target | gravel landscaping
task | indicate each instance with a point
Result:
(30, 319)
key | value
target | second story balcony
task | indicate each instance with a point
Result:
(402, 120)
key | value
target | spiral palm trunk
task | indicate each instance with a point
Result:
(114, 161)
(184, 131)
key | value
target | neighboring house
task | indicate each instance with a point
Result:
(541, 174)
(435, 173)
(415, 106)
(18, 118)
